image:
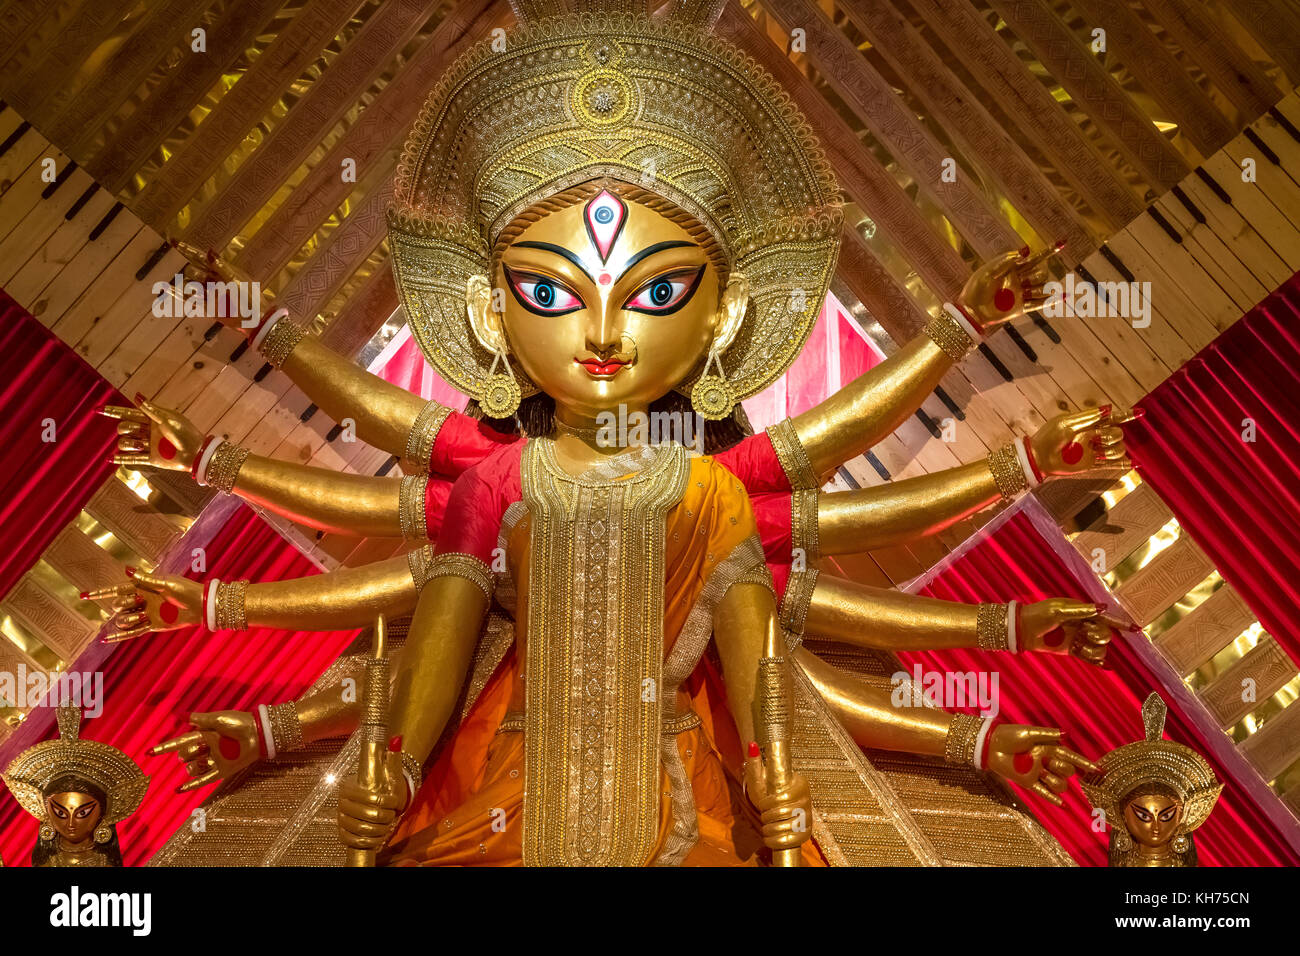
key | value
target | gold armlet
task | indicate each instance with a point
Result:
(413, 769)
(758, 574)
(963, 732)
(991, 627)
(223, 468)
(410, 508)
(803, 523)
(949, 336)
(774, 698)
(280, 342)
(425, 566)
(1008, 473)
(424, 433)
(795, 602)
(230, 612)
(286, 727)
(790, 453)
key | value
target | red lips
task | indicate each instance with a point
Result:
(603, 369)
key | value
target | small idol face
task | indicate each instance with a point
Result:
(74, 815)
(1152, 818)
(607, 303)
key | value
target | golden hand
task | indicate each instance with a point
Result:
(1067, 626)
(154, 602)
(367, 816)
(225, 743)
(1078, 441)
(1007, 287)
(153, 436)
(1034, 758)
(786, 814)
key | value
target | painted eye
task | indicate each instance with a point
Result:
(1169, 814)
(84, 812)
(666, 293)
(1142, 814)
(542, 295)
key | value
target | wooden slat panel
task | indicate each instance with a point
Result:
(1129, 524)
(1212, 626)
(1266, 665)
(876, 105)
(1075, 67)
(1159, 72)
(58, 627)
(1235, 74)
(960, 112)
(139, 527)
(240, 109)
(1274, 26)
(1024, 98)
(1276, 745)
(292, 140)
(1171, 574)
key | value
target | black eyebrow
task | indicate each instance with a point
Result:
(558, 250)
(657, 247)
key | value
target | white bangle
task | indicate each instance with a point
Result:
(201, 472)
(1022, 455)
(265, 330)
(264, 715)
(980, 737)
(210, 605)
(959, 317)
(1012, 637)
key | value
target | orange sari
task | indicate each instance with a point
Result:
(469, 810)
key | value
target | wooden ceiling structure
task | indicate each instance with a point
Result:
(267, 131)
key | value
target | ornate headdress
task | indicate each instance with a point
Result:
(604, 92)
(115, 774)
(1154, 760)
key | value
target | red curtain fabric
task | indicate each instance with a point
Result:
(1098, 709)
(153, 683)
(44, 385)
(1220, 444)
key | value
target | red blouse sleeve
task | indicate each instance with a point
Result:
(464, 442)
(754, 462)
(477, 502)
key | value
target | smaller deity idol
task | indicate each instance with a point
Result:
(79, 790)
(1160, 791)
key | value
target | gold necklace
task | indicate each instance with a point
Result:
(587, 434)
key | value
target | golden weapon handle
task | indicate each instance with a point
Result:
(374, 726)
(774, 710)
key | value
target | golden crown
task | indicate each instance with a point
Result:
(1155, 760)
(122, 782)
(611, 94)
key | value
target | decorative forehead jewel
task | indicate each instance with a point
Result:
(605, 216)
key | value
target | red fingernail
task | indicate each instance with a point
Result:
(1060, 244)
(395, 743)
(85, 595)
(1139, 412)
(753, 749)
(1024, 252)
(1105, 410)
(130, 572)
(1102, 608)
(139, 397)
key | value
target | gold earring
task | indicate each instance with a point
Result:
(711, 396)
(103, 833)
(46, 833)
(1181, 843)
(1123, 842)
(501, 393)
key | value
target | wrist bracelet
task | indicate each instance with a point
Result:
(222, 468)
(424, 434)
(951, 332)
(210, 604)
(264, 731)
(960, 747)
(1008, 473)
(1025, 456)
(264, 327)
(228, 602)
(204, 459)
(991, 630)
(286, 727)
(413, 772)
(982, 743)
(281, 338)
(411, 516)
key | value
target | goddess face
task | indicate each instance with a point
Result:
(1152, 818)
(74, 815)
(609, 303)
